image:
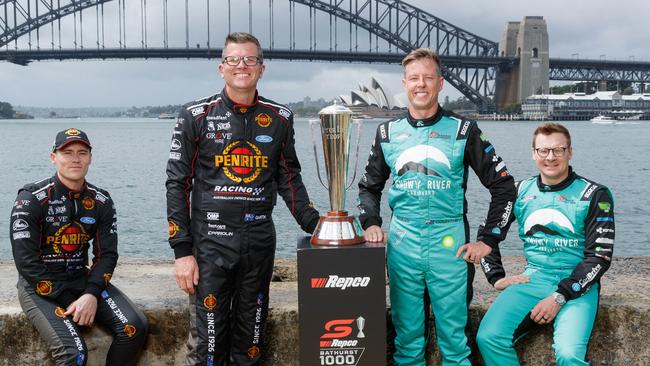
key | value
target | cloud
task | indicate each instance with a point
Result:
(590, 29)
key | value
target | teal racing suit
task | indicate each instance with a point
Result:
(428, 160)
(568, 235)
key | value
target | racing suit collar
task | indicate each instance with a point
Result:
(557, 187)
(239, 107)
(427, 121)
(65, 191)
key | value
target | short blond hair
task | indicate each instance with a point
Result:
(422, 53)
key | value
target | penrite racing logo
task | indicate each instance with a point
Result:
(242, 161)
(70, 237)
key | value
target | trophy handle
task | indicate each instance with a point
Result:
(357, 122)
(312, 123)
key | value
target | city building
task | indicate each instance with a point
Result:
(581, 106)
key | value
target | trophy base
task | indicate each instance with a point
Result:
(337, 229)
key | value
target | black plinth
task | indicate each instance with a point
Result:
(342, 305)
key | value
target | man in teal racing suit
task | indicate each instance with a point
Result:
(428, 153)
(567, 225)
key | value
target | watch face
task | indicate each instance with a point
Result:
(559, 298)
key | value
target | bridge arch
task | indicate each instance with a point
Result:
(396, 22)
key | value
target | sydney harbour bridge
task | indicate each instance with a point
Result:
(361, 31)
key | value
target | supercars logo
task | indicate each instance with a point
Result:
(242, 161)
(72, 132)
(88, 203)
(70, 237)
(60, 312)
(129, 330)
(173, 229)
(209, 302)
(253, 352)
(44, 288)
(263, 119)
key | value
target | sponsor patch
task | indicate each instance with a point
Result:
(175, 156)
(60, 312)
(575, 287)
(107, 277)
(44, 288)
(263, 120)
(605, 206)
(175, 145)
(40, 195)
(264, 138)
(209, 302)
(72, 132)
(70, 237)
(173, 229)
(284, 113)
(196, 111)
(242, 161)
(88, 203)
(489, 148)
(496, 230)
(604, 219)
(212, 216)
(253, 352)
(87, 220)
(129, 330)
(22, 235)
(19, 225)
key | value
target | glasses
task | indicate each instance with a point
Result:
(558, 152)
(248, 60)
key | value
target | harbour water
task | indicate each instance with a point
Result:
(130, 155)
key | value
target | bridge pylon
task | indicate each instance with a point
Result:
(528, 41)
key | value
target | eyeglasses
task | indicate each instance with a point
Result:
(558, 152)
(248, 60)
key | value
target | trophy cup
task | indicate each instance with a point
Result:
(337, 228)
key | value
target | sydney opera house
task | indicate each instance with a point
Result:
(373, 102)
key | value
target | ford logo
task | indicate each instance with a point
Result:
(87, 220)
(264, 138)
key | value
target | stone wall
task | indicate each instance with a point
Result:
(620, 336)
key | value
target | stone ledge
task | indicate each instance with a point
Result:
(619, 338)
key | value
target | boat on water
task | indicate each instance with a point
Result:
(166, 116)
(601, 119)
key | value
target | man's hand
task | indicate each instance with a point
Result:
(374, 234)
(545, 311)
(504, 282)
(474, 251)
(83, 309)
(187, 273)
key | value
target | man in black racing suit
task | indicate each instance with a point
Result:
(53, 222)
(232, 151)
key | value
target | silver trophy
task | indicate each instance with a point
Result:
(361, 322)
(337, 228)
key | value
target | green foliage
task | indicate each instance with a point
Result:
(514, 108)
(628, 91)
(461, 103)
(6, 110)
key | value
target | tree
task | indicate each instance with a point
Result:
(514, 108)
(6, 110)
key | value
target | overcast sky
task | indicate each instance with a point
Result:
(591, 29)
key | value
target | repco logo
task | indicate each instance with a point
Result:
(335, 330)
(334, 281)
(242, 161)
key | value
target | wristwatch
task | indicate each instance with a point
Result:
(559, 298)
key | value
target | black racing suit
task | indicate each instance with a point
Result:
(233, 159)
(51, 231)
